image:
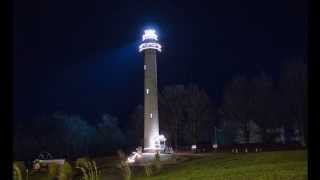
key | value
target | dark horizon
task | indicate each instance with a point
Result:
(83, 58)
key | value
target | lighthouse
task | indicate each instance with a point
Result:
(150, 47)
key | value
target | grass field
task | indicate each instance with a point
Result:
(265, 165)
(281, 165)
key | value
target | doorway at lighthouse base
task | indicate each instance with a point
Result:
(147, 158)
(148, 155)
(158, 144)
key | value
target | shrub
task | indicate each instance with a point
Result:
(82, 162)
(124, 166)
(121, 155)
(88, 168)
(154, 167)
(148, 170)
(84, 173)
(95, 169)
(19, 170)
(65, 172)
(53, 169)
(157, 163)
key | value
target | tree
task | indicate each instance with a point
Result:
(254, 134)
(198, 114)
(263, 109)
(25, 145)
(77, 134)
(185, 114)
(110, 136)
(136, 123)
(237, 105)
(293, 89)
(171, 103)
(45, 133)
(231, 130)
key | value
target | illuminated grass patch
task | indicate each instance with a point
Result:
(266, 165)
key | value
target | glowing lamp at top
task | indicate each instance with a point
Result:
(149, 40)
(150, 34)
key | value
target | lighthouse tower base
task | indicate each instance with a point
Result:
(157, 145)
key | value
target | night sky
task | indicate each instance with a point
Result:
(82, 57)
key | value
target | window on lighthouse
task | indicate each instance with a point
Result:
(147, 91)
(151, 115)
(145, 67)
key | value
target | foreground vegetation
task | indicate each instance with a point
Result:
(281, 165)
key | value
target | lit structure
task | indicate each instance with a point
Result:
(150, 41)
(149, 46)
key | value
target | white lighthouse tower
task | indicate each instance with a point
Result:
(150, 47)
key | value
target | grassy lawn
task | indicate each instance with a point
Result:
(265, 165)
(281, 165)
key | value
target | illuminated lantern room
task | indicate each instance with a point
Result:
(149, 41)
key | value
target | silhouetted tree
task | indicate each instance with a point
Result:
(198, 114)
(293, 89)
(110, 136)
(46, 133)
(25, 145)
(77, 135)
(237, 105)
(185, 114)
(66, 136)
(230, 129)
(171, 103)
(136, 125)
(263, 109)
(254, 134)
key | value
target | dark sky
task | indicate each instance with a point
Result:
(81, 56)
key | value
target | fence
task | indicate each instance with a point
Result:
(241, 147)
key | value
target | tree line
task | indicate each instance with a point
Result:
(67, 136)
(259, 109)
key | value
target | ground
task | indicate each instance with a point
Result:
(265, 165)
(215, 166)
